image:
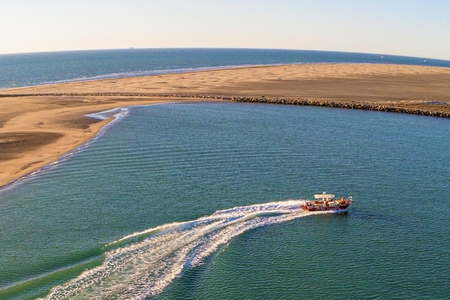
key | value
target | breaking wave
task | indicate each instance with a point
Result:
(142, 264)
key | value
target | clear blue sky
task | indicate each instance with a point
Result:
(404, 27)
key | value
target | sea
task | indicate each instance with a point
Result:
(201, 200)
(26, 69)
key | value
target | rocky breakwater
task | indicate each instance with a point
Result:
(424, 108)
(416, 109)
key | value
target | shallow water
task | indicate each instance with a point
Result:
(181, 162)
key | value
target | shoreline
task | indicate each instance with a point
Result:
(137, 74)
(187, 71)
(145, 74)
(47, 165)
(41, 124)
(104, 123)
(108, 122)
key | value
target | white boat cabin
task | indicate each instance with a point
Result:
(324, 197)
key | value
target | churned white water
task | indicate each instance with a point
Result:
(146, 267)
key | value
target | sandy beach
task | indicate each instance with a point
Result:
(39, 124)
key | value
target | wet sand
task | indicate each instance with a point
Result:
(39, 124)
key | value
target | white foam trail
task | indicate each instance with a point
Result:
(145, 268)
(117, 113)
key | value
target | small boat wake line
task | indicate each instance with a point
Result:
(144, 263)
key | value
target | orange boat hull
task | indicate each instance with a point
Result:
(340, 205)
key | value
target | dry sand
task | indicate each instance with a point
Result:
(39, 124)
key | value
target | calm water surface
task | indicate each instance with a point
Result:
(37, 68)
(179, 162)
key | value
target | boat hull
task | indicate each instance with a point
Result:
(333, 206)
(335, 210)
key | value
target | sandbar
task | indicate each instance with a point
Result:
(39, 124)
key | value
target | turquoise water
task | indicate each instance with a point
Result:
(189, 162)
(36, 68)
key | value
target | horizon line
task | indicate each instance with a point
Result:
(218, 48)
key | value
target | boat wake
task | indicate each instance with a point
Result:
(142, 264)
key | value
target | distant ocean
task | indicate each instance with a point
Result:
(18, 70)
